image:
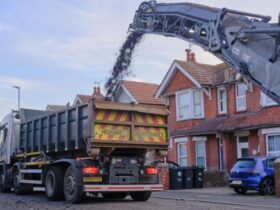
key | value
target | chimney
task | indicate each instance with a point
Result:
(94, 91)
(193, 57)
(97, 95)
(188, 52)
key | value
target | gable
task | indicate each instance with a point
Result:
(124, 96)
(169, 77)
(178, 82)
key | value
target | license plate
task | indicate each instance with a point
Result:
(236, 182)
(93, 179)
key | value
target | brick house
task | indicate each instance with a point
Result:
(215, 117)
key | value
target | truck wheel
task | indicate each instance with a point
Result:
(117, 195)
(3, 182)
(267, 186)
(72, 192)
(140, 196)
(19, 189)
(54, 183)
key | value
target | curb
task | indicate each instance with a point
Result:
(216, 202)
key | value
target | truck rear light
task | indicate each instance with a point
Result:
(91, 170)
(151, 170)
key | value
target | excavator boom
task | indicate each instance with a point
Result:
(245, 41)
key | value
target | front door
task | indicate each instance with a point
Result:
(242, 147)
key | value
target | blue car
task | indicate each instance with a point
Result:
(255, 173)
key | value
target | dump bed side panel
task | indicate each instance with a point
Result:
(66, 130)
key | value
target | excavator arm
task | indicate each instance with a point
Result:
(246, 41)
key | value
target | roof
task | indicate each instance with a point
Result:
(244, 121)
(54, 108)
(208, 126)
(143, 93)
(84, 98)
(200, 74)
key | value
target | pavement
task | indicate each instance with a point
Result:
(222, 195)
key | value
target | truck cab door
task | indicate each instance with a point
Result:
(3, 143)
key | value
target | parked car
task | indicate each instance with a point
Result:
(255, 173)
(170, 163)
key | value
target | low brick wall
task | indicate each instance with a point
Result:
(277, 177)
(215, 178)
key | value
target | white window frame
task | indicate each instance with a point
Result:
(241, 145)
(179, 156)
(240, 97)
(196, 142)
(191, 104)
(267, 152)
(265, 100)
(219, 100)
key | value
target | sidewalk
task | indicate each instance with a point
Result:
(222, 195)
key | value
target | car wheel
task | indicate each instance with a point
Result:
(267, 186)
(141, 196)
(239, 190)
(3, 182)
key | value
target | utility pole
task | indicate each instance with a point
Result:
(18, 88)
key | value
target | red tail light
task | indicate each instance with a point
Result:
(91, 170)
(151, 170)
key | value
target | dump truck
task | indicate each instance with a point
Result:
(100, 147)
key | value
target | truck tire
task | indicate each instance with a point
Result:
(19, 188)
(116, 195)
(54, 183)
(3, 181)
(73, 193)
(141, 196)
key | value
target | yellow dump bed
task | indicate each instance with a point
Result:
(124, 125)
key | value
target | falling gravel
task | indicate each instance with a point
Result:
(123, 62)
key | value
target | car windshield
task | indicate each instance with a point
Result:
(245, 163)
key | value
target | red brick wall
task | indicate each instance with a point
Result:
(212, 153)
(253, 141)
(229, 150)
(179, 82)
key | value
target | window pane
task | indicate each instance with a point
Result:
(201, 161)
(198, 110)
(200, 149)
(270, 143)
(277, 143)
(197, 97)
(183, 99)
(241, 102)
(183, 161)
(182, 150)
(184, 112)
(241, 89)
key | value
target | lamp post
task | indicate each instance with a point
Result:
(18, 88)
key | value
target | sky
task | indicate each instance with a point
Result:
(56, 49)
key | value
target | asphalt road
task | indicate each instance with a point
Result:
(204, 199)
